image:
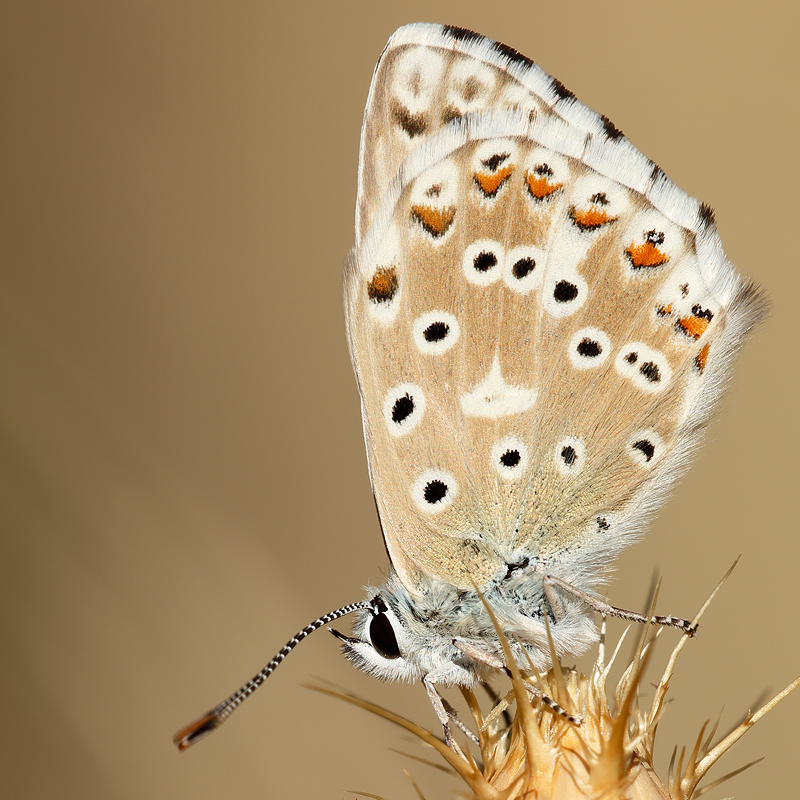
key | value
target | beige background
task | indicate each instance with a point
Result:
(182, 475)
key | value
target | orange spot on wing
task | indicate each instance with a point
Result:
(701, 358)
(693, 327)
(383, 285)
(664, 311)
(436, 221)
(590, 219)
(539, 187)
(645, 255)
(490, 182)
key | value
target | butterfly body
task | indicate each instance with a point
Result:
(426, 629)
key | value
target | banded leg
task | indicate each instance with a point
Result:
(602, 607)
(495, 663)
(451, 712)
(438, 706)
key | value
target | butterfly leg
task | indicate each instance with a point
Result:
(444, 711)
(602, 607)
(451, 713)
(487, 659)
(554, 599)
(438, 706)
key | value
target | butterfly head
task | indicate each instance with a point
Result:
(447, 632)
(382, 645)
(405, 636)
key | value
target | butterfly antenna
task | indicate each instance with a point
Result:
(187, 736)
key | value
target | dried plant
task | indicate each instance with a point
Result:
(608, 756)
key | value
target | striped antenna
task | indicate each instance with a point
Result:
(187, 736)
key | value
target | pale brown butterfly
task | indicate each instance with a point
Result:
(541, 324)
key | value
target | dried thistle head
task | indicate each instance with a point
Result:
(607, 756)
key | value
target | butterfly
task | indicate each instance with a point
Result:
(541, 325)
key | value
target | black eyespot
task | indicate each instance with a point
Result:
(435, 491)
(523, 267)
(654, 237)
(703, 313)
(403, 407)
(568, 455)
(600, 198)
(565, 292)
(436, 331)
(510, 458)
(412, 124)
(588, 348)
(493, 162)
(632, 357)
(484, 261)
(381, 635)
(646, 447)
(650, 371)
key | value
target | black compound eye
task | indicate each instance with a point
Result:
(381, 634)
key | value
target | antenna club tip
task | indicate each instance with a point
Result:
(196, 730)
(187, 736)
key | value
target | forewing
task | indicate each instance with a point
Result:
(427, 76)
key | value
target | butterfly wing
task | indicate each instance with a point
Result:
(427, 76)
(540, 321)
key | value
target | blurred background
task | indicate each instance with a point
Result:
(183, 482)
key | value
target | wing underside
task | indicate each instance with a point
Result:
(540, 322)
